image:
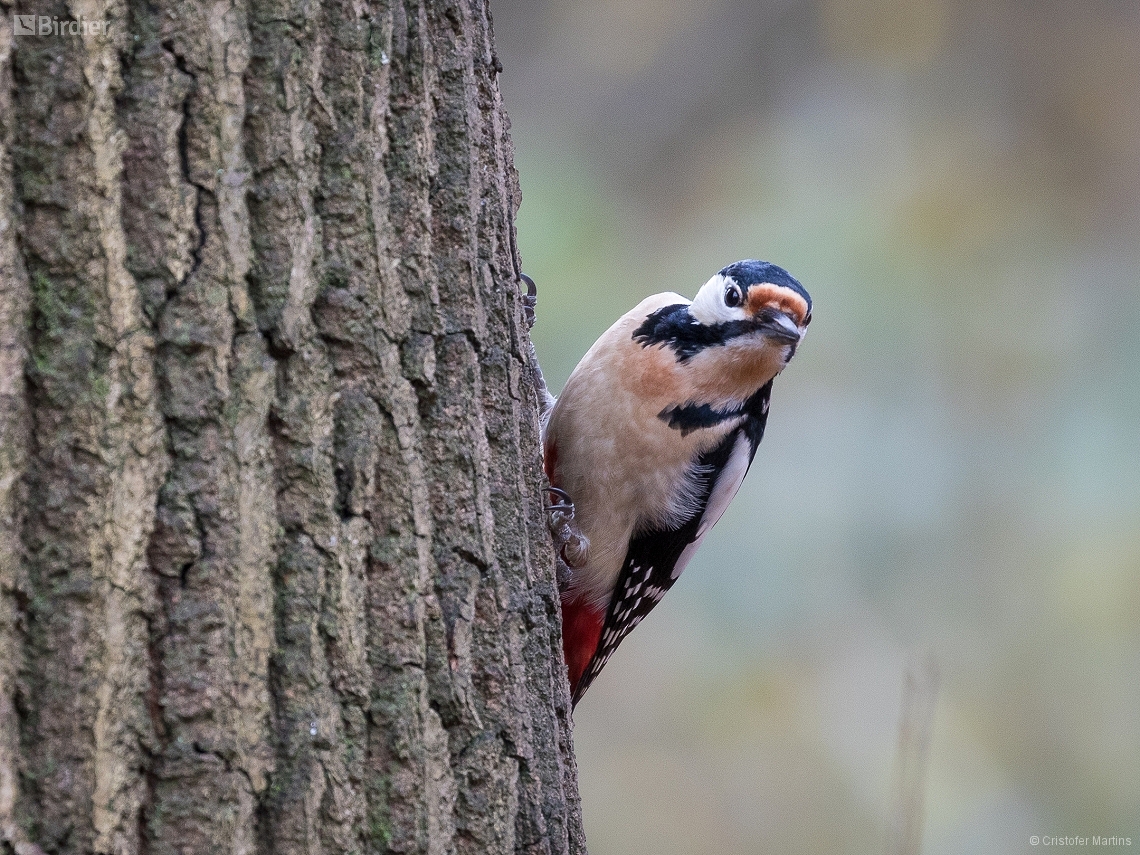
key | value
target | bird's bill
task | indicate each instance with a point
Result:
(778, 327)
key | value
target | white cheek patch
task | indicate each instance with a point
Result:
(708, 306)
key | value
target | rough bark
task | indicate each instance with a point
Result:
(273, 570)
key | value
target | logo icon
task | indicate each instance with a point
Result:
(23, 25)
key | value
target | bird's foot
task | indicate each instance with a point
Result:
(545, 399)
(571, 547)
(529, 300)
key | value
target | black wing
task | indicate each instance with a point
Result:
(653, 555)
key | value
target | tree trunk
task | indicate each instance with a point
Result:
(274, 576)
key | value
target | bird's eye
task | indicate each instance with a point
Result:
(807, 319)
(732, 296)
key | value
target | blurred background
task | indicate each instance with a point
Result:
(952, 462)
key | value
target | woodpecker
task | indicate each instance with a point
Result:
(650, 440)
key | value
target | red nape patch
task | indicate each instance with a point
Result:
(581, 629)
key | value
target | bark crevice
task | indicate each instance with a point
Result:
(184, 156)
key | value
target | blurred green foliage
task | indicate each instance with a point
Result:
(953, 458)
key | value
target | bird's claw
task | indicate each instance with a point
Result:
(571, 547)
(564, 503)
(545, 399)
(529, 300)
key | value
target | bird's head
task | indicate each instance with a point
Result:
(758, 303)
(738, 333)
(755, 299)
